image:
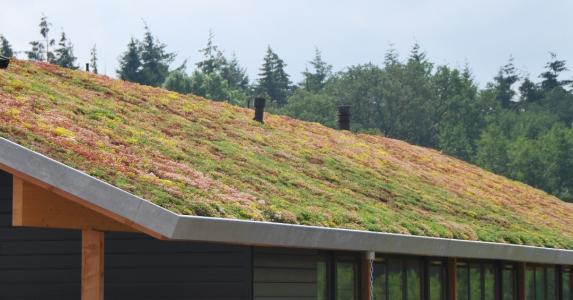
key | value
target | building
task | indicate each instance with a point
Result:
(111, 189)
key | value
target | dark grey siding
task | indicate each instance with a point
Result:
(36, 264)
(285, 274)
(46, 264)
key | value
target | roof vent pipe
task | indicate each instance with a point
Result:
(259, 109)
(4, 62)
(344, 117)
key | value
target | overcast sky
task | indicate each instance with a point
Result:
(483, 33)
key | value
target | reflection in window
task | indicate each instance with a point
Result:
(346, 281)
(400, 278)
(321, 280)
(436, 280)
(566, 283)
(508, 283)
(475, 281)
(541, 282)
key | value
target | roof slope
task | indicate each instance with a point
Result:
(198, 157)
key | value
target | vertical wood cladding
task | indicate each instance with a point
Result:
(46, 264)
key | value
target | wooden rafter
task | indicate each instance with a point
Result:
(35, 206)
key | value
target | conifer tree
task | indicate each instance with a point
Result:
(314, 81)
(503, 84)
(130, 62)
(213, 59)
(235, 75)
(5, 47)
(93, 59)
(155, 60)
(64, 54)
(273, 79)
(551, 75)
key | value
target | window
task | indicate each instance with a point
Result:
(346, 281)
(566, 283)
(508, 282)
(337, 277)
(436, 280)
(475, 281)
(408, 278)
(541, 282)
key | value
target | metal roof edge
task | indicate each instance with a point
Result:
(301, 236)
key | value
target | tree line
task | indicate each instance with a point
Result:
(518, 126)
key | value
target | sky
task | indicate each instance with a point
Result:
(481, 33)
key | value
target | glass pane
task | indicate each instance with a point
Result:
(379, 286)
(551, 284)
(539, 283)
(321, 280)
(489, 282)
(475, 282)
(462, 282)
(345, 281)
(435, 281)
(507, 280)
(395, 279)
(566, 284)
(530, 283)
(413, 286)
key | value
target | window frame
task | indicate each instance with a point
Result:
(424, 264)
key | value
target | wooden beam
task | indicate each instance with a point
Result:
(366, 275)
(521, 288)
(92, 265)
(82, 202)
(34, 206)
(452, 279)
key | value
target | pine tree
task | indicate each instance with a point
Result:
(5, 47)
(93, 59)
(273, 81)
(550, 77)
(64, 54)
(130, 62)
(154, 60)
(314, 81)
(213, 59)
(529, 91)
(235, 75)
(37, 52)
(503, 84)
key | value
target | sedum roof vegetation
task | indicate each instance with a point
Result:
(198, 157)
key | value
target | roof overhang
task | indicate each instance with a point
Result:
(159, 222)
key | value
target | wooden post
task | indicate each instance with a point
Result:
(92, 265)
(452, 279)
(521, 270)
(366, 275)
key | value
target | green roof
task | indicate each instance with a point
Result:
(199, 157)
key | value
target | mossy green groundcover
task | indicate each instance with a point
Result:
(198, 157)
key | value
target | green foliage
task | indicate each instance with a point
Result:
(130, 63)
(64, 54)
(145, 62)
(5, 47)
(215, 77)
(41, 49)
(273, 80)
(314, 81)
(178, 81)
